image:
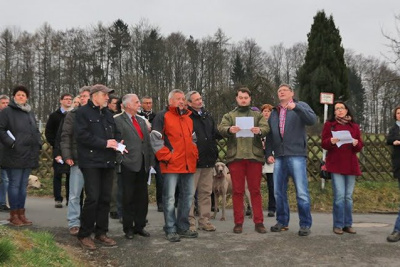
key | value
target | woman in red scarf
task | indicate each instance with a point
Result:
(342, 163)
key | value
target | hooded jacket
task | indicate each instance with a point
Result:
(24, 151)
(173, 141)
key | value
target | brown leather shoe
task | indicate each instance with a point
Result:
(337, 231)
(349, 229)
(260, 228)
(14, 218)
(87, 243)
(23, 219)
(238, 229)
(105, 240)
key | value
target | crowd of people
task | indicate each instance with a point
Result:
(106, 146)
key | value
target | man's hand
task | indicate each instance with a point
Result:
(234, 129)
(112, 143)
(255, 130)
(396, 143)
(70, 162)
(291, 106)
(59, 159)
(270, 160)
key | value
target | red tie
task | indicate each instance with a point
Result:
(137, 126)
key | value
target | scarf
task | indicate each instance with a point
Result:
(346, 119)
(27, 108)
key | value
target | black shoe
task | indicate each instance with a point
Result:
(114, 215)
(248, 211)
(142, 232)
(271, 214)
(279, 228)
(188, 234)
(393, 237)
(160, 208)
(4, 207)
(212, 209)
(129, 235)
(304, 231)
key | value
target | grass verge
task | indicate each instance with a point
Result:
(27, 248)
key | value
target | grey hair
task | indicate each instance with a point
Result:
(4, 97)
(85, 89)
(189, 95)
(173, 92)
(285, 85)
(126, 98)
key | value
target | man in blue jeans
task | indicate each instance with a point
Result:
(288, 140)
(69, 152)
(172, 141)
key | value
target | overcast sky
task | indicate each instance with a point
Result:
(268, 22)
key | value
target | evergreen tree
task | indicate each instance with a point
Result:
(238, 73)
(357, 95)
(324, 69)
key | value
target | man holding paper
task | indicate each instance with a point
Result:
(97, 140)
(135, 167)
(244, 129)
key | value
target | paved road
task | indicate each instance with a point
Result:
(223, 248)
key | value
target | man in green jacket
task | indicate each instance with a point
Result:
(244, 129)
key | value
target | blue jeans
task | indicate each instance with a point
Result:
(18, 181)
(76, 183)
(3, 187)
(397, 224)
(180, 221)
(294, 166)
(343, 186)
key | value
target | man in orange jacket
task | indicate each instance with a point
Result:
(172, 139)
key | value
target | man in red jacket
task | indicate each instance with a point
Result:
(172, 141)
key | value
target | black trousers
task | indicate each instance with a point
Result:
(59, 169)
(98, 186)
(269, 178)
(135, 199)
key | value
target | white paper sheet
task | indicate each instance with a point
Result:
(152, 171)
(11, 135)
(245, 124)
(121, 148)
(343, 136)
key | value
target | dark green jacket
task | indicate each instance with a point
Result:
(243, 148)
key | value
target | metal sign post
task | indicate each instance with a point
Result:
(326, 99)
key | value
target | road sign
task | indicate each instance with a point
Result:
(326, 98)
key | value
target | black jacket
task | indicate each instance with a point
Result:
(52, 126)
(394, 134)
(207, 135)
(24, 151)
(149, 116)
(93, 127)
(68, 143)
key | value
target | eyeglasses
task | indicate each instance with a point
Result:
(339, 108)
